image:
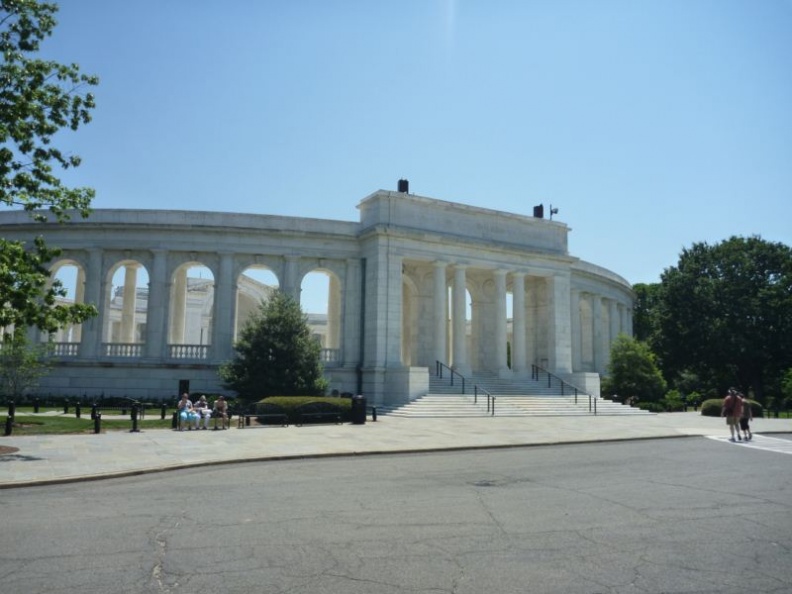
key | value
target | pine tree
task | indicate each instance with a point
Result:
(276, 354)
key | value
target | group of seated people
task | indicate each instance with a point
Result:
(191, 415)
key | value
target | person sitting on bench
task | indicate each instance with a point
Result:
(187, 415)
(203, 411)
(221, 410)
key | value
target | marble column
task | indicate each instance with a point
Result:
(222, 339)
(333, 312)
(501, 337)
(92, 329)
(179, 299)
(439, 306)
(518, 353)
(613, 318)
(129, 304)
(157, 312)
(460, 361)
(351, 303)
(577, 335)
(79, 297)
(291, 285)
(560, 331)
(599, 355)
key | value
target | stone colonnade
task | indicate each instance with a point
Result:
(416, 281)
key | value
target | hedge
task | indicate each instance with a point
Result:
(713, 407)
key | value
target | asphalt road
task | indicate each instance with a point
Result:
(678, 515)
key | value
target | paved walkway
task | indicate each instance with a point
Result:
(63, 458)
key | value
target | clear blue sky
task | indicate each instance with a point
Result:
(650, 125)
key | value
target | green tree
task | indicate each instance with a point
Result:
(726, 314)
(633, 371)
(21, 365)
(38, 99)
(646, 322)
(276, 354)
(785, 399)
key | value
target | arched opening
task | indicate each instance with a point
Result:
(254, 285)
(126, 305)
(191, 311)
(72, 279)
(320, 300)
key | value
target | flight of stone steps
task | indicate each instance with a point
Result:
(513, 398)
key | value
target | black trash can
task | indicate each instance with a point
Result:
(358, 410)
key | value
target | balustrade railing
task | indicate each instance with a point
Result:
(188, 351)
(330, 355)
(122, 349)
(66, 349)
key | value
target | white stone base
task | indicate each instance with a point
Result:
(586, 381)
(145, 382)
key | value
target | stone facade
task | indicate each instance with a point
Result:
(415, 281)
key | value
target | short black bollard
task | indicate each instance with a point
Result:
(11, 408)
(374, 414)
(175, 420)
(163, 410)
(135, 419)
(35, 405)
(65, 407)
(77, 410)
(9, 425)
(98, 423)
(94, 412)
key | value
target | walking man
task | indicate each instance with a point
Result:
(732, 410)
(745, 419)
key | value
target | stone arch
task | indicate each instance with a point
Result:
(125, 308)
(255, 284)
(191, 311)
(71, 274)
(322, 301)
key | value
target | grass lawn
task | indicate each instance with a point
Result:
(39, 425)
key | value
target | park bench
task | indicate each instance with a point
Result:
(265, 414)
(319, 412)
(121, 405)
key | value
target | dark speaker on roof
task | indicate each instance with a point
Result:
(404, 186)
(539, 211)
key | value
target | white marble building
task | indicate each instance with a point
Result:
(415, 281)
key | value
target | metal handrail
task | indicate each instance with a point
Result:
(439, 372)
(439, 366)
(536, 369)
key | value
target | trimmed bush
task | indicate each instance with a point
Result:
(713, 407)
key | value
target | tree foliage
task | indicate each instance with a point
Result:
(633, 371)
(38, 99)
(645, 318)
(726, 313)
(21, 365)
(276, 354)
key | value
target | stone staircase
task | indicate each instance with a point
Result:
(513, 398)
